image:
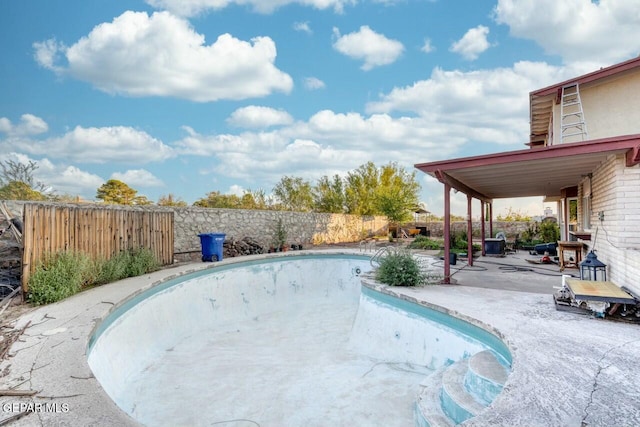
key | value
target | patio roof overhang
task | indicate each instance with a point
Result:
(530, 172)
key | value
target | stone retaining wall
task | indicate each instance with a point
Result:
(510, 228)
(302, 228)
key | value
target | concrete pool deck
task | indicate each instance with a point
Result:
(568, 369)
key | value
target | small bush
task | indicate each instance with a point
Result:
(141, 261)
(125, 264)
(112, 269)
(60, 276)
(66, 273)
(400, 269)
(423, 242)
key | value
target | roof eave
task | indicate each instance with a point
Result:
(627, 142)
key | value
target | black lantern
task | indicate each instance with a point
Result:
(592, 269)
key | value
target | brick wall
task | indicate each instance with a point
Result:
(616, 239)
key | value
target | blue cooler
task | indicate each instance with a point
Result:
(212, 246)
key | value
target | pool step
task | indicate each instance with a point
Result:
(428, 410)
(458, 392)
(485, 377)
(457, 402)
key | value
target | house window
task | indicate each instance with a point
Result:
(573, 214)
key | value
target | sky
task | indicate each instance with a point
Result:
(186, 97)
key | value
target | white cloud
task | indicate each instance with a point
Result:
(427, 47)
(303, 27)
(70, 179)
(162, 55)
(328, 143)
(194, 7)
(236, 190)
(138, 178)
(29, 125)
(473, 43)
(438, 116)
(313, 83)
(367, 45)
(596, 32)
(98, 145)
(47, 53)
(456, 101)
(256, 117)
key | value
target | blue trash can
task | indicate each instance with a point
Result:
(212, 246)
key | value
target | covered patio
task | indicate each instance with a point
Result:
(547, 171)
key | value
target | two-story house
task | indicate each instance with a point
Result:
(584, 153)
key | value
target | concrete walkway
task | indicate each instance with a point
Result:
(568, 370)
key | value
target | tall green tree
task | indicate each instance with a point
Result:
(116, 192)
(254, 200)
(328, 195)
(360, 191)
(396, 195)
(389, 190)
(18, 190)
(294, 194)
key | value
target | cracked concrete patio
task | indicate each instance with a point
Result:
(568, 369)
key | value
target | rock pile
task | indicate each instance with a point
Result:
(244, 246)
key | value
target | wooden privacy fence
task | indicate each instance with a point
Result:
(96, 231)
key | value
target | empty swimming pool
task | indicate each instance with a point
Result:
(288, 341)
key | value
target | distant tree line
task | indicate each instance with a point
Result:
(387, 190)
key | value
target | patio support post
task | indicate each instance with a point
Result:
(469, 233)
(447, 234)
(490, 219)
(482, 230)
(563, 222)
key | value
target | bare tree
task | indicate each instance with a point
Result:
(11, 171)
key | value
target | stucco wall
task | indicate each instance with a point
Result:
(609, 109)
(615, 191)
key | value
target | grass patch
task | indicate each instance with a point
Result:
(64, 274)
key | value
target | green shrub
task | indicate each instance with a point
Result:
(423, 242)
(141, 261)
(549, 231)
(59, 276)
(400, 269)
(112, 269)
(125, 264)
(66, 273)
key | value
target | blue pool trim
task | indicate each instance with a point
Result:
(136, 299)
(468, 329)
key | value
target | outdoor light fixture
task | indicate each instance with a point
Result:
(592, 268)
